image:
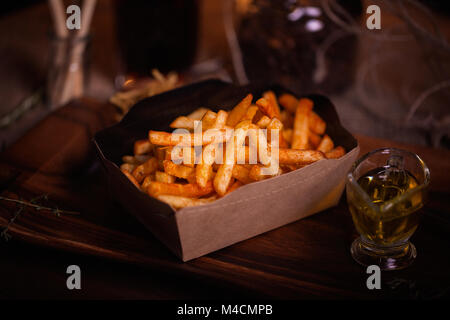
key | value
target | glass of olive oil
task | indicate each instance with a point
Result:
(385, 190)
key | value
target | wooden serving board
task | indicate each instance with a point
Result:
(306, 259)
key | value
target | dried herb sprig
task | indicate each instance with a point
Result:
(33, 203)
(38, 207)
(5, 234)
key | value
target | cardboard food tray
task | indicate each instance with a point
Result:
(252, 209)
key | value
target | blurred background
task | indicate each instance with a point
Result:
(392, 83)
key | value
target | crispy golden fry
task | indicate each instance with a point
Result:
(335, 153)
(160, 152)
(256, 173)
(178, 170)
(263, 122)
(258, 115)
(185, 155)
(300, 134)
(223, 178)
(251, 112)
(290, 167)
(183, 123)
(263, 148)
(208, 120)
(272, 98)
(197, 114)
(142, 146)
(164, 177)
(239, 111)
(326, 144)
(146, 183)
(176, 189)
(294, 156)
(143, 170)
(128, 167)
(267, 108)
(316, 124)
(203, 171)
(224, 174)
(191, 179)
(287, 119)
(241, 173)
(314, 140)
(275, 124)
(234, 186)
(289, 102)
(242, 155)
(178, 202)
(131, 178)
(188, 139)
(287, 135)
(221, 120)
(249, 154)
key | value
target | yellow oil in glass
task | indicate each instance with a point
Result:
(395, 221)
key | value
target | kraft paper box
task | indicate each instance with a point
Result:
(252, 209)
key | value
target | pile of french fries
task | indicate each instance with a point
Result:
(185, 169)
(124, 100)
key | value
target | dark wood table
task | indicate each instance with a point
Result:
(119, 258)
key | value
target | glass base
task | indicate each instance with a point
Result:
(391, 258)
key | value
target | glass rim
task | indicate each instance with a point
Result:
(388, 204)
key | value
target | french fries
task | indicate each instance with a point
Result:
(316, 123)
(208, 120)
(239, 111)
(256, 173)
(234, 186)
(301, 130)
(326, 144)
(131, 178)
(183, 123)
(178, 170)
(197, 114)
(268, 108)
(187, 139)
(263, 122)
(189, 190)
(289, 102)
(164, 177)
(314, 139)
(276, 125)
(142, 147)
(195, 167)
(145, 169)
(335, 153)
(294, 156)
(241, 173)
(224, 174)
(274, 107)
(203, 171)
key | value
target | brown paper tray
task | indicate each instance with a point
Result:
(255, 208)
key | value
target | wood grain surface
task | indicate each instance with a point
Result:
(305, 259)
